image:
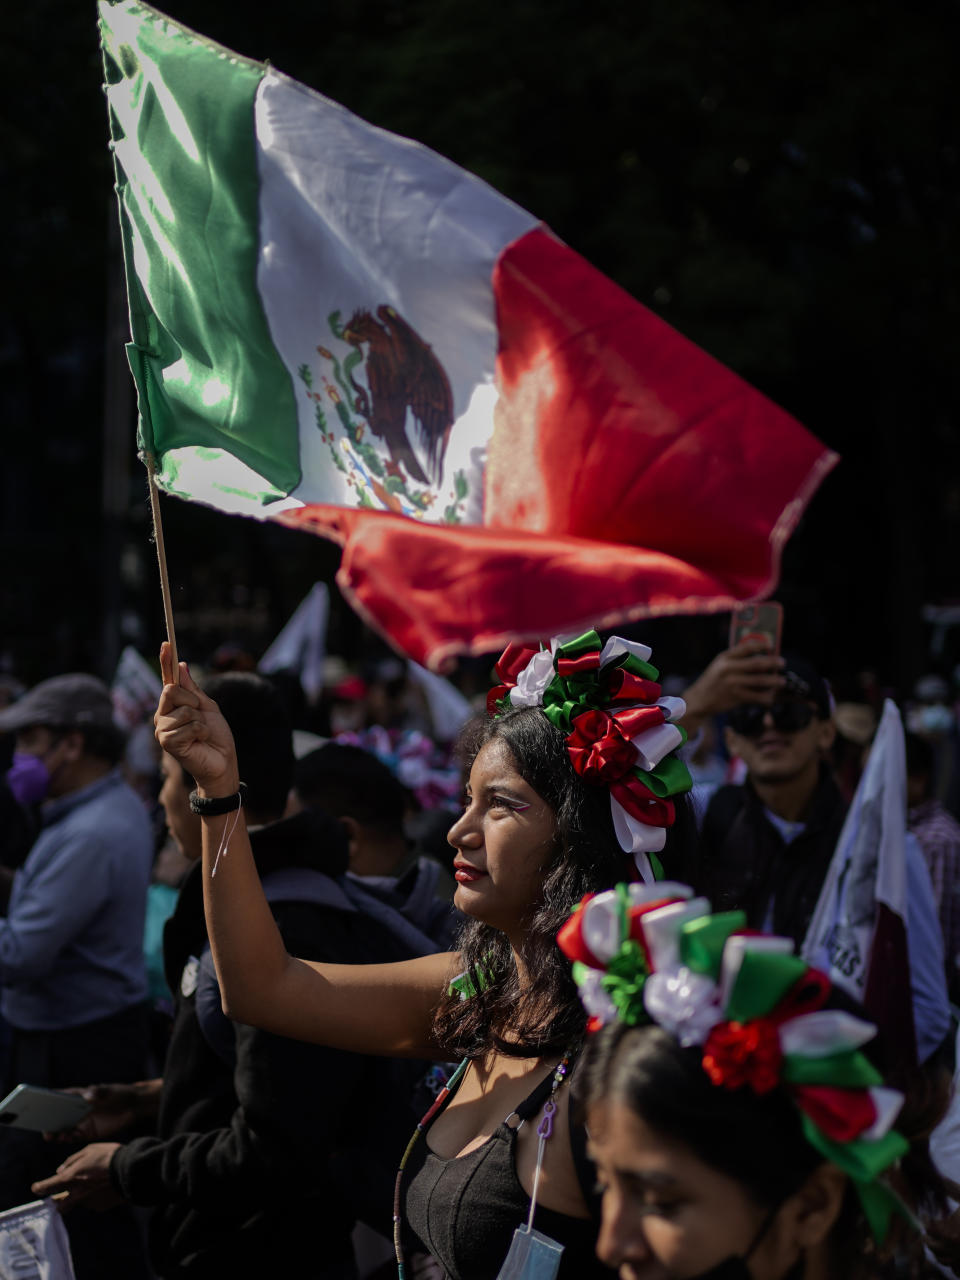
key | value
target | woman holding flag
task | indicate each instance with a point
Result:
(574, 776)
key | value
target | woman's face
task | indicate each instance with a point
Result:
(504, 839)
(666, 1214)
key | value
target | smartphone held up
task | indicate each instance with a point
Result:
(763, 621)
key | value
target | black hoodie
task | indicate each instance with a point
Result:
(745, 862)
(241, 1172)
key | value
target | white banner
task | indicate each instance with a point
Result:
(34, 1244)
(868, 866)
(302, 644)
(135, 690)
(449, 710)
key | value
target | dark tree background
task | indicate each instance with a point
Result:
(781, 184)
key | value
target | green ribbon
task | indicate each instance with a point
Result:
(863, 1161)
(702, 941)
(624, 981)
(580, 644)
(879, 1203)
(849, 1069)
(860, 1158)
(562, 701)
(764, 979)
(671, 777)
(630, 662)
(555, 713)
(464, 986)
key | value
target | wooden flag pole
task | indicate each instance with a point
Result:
(162, 561)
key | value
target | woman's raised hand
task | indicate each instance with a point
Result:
(190, 728)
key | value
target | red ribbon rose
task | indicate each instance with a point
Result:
(598, 750)
(599, 741)
(739, 1053)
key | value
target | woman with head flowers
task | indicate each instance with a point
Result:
(739, 1130)
(571, 784)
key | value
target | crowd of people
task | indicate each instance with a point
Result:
(331, 1024)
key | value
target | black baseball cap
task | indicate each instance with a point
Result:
(804, 681)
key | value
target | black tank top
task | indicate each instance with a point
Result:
(465, 1210)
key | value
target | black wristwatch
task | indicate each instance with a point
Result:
(213, 806)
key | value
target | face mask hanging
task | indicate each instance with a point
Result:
(533, 1255)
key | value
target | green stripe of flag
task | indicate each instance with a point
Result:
(182, 123)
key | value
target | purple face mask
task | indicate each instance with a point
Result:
(28, 778)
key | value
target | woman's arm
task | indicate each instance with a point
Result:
(382, 1008)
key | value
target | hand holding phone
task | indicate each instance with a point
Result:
(43, 1110)
(115, 1111)
(763, 621)
(748, 671)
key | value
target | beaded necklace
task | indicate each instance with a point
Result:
(544, 1131)
(435, 1106)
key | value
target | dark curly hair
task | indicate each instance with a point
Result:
(545, 1016)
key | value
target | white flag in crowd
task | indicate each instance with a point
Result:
(135, 690)
(858, 931)
(448, 708)
(34, 1244)
(302, 644)
(868, 868)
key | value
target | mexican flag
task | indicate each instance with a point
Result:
(858, 932)
(336, 328)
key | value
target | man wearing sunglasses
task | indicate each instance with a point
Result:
(766, 846)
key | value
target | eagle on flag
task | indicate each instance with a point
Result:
(402, 373)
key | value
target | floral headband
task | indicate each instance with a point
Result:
(655, 954)
(620, 732)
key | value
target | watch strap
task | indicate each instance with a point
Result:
(213, 806)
